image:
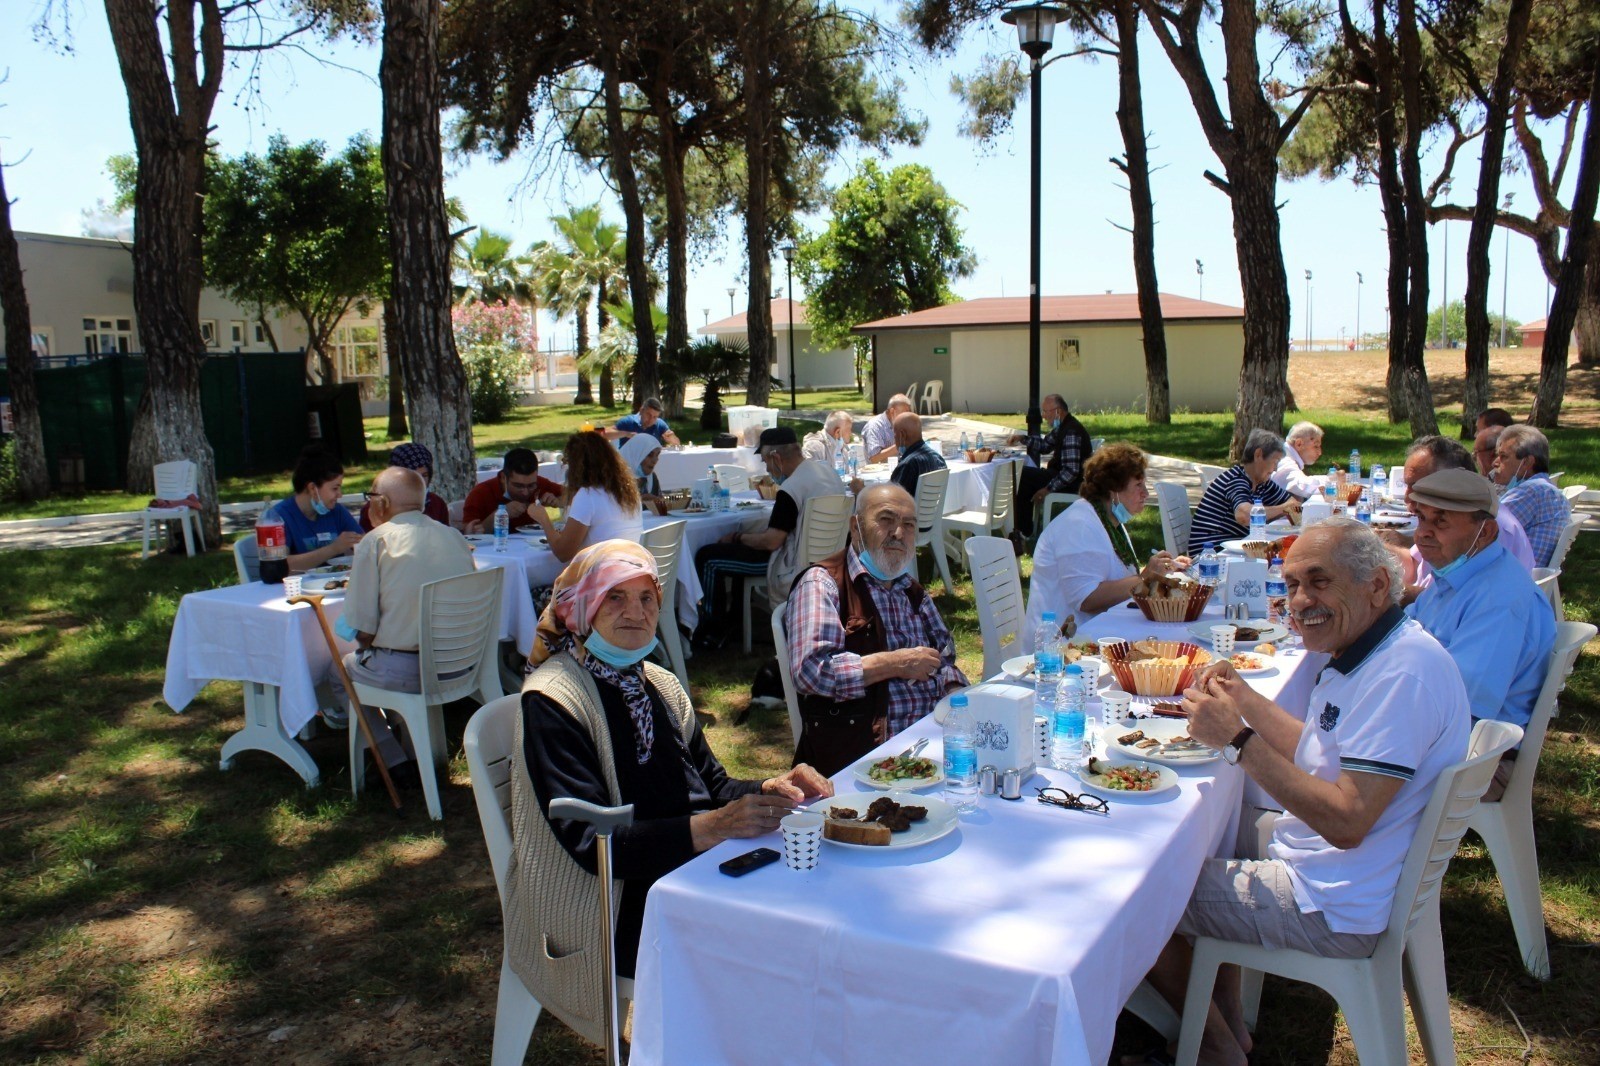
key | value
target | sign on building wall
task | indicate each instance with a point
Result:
(1068, 355)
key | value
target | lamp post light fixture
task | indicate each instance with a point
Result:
(1036, 30)
(1200, 269)
(707, 312)
(1359, 282)
(731, 291)
(1308, 310)
(1505, 273)
(787, 248)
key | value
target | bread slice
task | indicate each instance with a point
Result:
(870, 833)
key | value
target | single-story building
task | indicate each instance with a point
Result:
(1531, 334)
(819, 368)
(1091, 350)
(80, 298)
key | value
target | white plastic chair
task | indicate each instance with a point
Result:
(665, 542)
(1558, 556)
(933, 398)
(1410, 952)
(1549, 582)
(1209, 473)
(1506, 824)
(1176, 518)
(489, 739)
(997, 586)
(791, 696)
(911, 393)
(247, 559)
(1049, 507)
(733, 477)
(174, 481)
(999, 515)
(825, 526)
(457, 659)
(1572, 492)
(931, 489)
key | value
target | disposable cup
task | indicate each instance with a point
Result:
(802, 839)
(1222, 638)
(292, 585)
(1115, 703)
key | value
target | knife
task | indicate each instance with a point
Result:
(916, 749)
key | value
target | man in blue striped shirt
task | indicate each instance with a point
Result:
(1522, 465)
(1224, 511)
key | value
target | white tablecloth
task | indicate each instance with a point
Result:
(967, 489)
(1015, 939)
(681, 468)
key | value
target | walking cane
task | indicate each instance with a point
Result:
(315, 600)
(606, 820)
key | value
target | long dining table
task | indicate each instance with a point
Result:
(1017, 938)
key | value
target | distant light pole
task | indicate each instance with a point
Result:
(1200, 269)
(1505, 273)
(1036, 28)
(1308, 310)
(731, 291)
(787, 248)
(707, 312)
(1444, 279)
(1359, 282)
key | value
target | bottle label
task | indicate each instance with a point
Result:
(1047, 662)
(959, 759)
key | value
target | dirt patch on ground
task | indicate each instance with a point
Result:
(1354, 381)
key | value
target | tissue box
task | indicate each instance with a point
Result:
(1246, 582)
(1003, 714)
(746, 422)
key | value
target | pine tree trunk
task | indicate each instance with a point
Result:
(33, 478)
(1570, 285)
(758, 195)
(170, 117)
(1587, 325)
(419, 242)
(645, 381)
(1419, 397)
(1130, 116)
(1475, 388)
(397, 374)
(672, 153)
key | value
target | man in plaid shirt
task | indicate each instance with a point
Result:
(870, 661)
(1522, 465)
(1068, 445)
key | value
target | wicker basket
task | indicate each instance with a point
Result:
(1159, 676)
(1174, 608)
(979, 455)
(1260, 549)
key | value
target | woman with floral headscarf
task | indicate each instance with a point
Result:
(599, 723)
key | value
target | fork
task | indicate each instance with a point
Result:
(916, 749)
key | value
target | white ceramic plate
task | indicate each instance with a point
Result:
(312, 582)
(1017, 669)
(1095, 783)
(1162, 729)
(1270, 632)
(333, 568)
(1269, 663)
(862, 768)
(940, 822)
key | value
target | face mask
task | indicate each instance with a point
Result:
(1444, 571)
(318, 507)
(1516, 479)
(1055, 423)
(610, 654)
(877, 571)
(1120, 513)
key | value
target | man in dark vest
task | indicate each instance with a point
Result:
(869, 652)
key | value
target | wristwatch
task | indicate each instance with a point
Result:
(1235, 747)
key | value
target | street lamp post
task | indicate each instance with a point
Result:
(1505, 273)
(707, 312)
(1359, 282)
(1444, 279)
(1036, 28)
(1308, 310)
(731, 291)
(787, 248)
(1200, 269)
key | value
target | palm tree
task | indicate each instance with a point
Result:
(719, 365)
(617, 343)
(487, 272)
(595, 253)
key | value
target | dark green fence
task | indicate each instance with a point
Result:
(254, 404)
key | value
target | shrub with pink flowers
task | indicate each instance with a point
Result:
(498, 344)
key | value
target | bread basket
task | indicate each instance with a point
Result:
(1259, 549)
(1157, 667)
(979, 455)
(1176, 607)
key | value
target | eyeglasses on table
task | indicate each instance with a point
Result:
(1060, 797)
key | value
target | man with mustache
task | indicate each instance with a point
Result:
(869, 653)
(1388, 713)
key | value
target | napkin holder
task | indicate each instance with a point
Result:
(1246, 582)
(1002, 715)
(1315, 510)
(701, 493)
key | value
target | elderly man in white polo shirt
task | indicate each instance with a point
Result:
(1388, 713)
(1304, 449)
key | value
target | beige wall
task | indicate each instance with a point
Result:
(987, 370)
(819, 369)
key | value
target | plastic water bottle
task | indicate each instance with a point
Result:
(1277, 592)
(1378, 477)
(715, 502)
(980, 439)
(1210, 566)
(1333, 474)
(1364, 509)
(724, 500)
(1066, 737)
(502, 528)
(854, 464)
(965, 446)
(1355, 463)
(1258, 520)
(960, 756)
(840, 466)
(1047, 668)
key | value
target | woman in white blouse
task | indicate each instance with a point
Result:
(1085, 561)
(602, 499)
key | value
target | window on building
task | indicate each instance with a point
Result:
(44, 342)
(208, 332)
(261, 334)
(355, 350)
(107, 336)
(236, 334)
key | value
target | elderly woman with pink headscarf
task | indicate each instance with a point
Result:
(600, 723)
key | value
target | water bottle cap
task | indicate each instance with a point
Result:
(1074, 668)
(958, 700)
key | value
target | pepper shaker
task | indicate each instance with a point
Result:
(986, 780)
(1011, 784)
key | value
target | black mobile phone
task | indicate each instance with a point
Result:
(750, 860)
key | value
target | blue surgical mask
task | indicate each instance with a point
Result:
(610, 654)
(1055, 423)
(1458, 561)
(1120, 513)
(877, 571)
(318, 507)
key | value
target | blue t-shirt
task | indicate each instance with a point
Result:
(309, 534)
(631, 424)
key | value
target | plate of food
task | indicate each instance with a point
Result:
(1160, 740)
(878, 821)
(1251, 631)
(1020, 668)
(1394, 519)
(331, 568)
(1126, 780)
(1247, 664)
(314, 582)
(899, 771)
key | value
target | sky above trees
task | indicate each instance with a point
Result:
(62, 116)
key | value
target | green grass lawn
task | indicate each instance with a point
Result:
(157, 909)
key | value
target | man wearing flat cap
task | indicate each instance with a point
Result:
(1482, 605)
(774, 551)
